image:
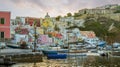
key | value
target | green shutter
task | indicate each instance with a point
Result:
(2, 21)
(2, 34)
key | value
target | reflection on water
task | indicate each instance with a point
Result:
(4, 66)
(76, 62)
(102, 62)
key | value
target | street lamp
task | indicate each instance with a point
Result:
(35, 27)
(34, 50)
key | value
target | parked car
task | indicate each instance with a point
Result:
(2, 45)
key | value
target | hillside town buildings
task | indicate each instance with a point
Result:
(22, 28)
(53, 30)
(56, 39)
(96, 11)
(107, 11)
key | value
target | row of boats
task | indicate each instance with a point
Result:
(58, 52)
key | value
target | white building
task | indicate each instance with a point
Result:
(21, 37)
(21, 20)
(70, 21)
(67, 19)
(96, 11)
(89, 37)
(79, 23)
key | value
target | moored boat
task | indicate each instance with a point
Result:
(13, 46)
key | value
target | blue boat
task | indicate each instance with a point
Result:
(56, 56)
(46, 52)
(101, 43)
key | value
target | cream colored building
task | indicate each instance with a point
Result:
(96, 11)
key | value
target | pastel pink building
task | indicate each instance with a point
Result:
(4, 25)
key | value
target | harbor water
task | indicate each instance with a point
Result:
(81, 61)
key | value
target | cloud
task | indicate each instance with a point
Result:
(39, 8)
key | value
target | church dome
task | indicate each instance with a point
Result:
(47, 16)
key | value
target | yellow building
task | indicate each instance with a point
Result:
(40, 30)
(47, 22)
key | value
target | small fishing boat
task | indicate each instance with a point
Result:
(13, 46)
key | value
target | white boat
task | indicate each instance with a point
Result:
(2, 45)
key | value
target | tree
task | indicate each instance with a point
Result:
(85, 12)
(69, 14)
(58, 18)
(56, 28)
(117, 9)
(98, 28)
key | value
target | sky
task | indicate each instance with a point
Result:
(39, 8)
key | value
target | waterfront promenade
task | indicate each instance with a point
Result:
(14, 51)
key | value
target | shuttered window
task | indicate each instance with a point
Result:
(2, 20)
(1, 34)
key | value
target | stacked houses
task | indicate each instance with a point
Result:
(44, 30)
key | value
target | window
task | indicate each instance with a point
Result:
(2, 21)
(1, 34)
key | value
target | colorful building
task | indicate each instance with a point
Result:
(88, 34)
(20, 20)
(89, 37)
(31, 20)
(4, 25)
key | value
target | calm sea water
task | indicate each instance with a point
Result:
(75, 62)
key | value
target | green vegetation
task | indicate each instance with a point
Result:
(76, 15)
(96, 27)
(56, 28)
(58, 18)
(69, 14)
(117, 9)
(100, 25)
